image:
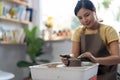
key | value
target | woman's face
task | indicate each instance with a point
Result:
(87, 17)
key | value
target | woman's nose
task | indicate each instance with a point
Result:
(84, 20)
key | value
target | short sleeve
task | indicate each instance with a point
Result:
(111, 35)
(76, 35)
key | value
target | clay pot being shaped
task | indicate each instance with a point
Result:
(74, 62)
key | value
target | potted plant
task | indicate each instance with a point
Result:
(34, 46)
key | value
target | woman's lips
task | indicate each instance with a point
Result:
(87, 24)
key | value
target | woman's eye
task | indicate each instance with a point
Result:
(80, 18)
(86, 15)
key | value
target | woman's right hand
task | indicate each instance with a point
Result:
(64, 59)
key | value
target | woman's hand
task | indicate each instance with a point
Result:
(64, 59)
(88, 55)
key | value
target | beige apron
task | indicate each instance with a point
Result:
(94, 44)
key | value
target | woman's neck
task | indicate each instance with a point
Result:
(95, 26)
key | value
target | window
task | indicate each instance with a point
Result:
(62, 12)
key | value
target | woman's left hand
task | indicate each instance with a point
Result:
(88, 55)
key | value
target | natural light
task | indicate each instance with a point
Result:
(62, 12)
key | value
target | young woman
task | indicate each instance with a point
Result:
(96, 41)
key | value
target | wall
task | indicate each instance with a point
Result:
(53, 49)
(9, 56)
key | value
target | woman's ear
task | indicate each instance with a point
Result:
(95, 15)
(94, 10)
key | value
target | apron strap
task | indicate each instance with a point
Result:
(83, 37)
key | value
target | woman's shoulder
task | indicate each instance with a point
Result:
(105, 27)
(79, 29)
(76, 34)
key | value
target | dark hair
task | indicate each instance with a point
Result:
(84, 4)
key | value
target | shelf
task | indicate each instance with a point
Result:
(15, 20)
(20, 2)
(11, 43)
(59, 39)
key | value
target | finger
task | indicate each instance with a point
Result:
(92, 58)
(65, 61)
(65, 56)
(81, 56)
(87, 54)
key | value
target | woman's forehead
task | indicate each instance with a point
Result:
(82, 11)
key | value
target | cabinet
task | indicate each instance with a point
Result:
(14, 15)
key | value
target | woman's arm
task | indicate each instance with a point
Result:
(115, 55)
(75, 52)
(75, 49)
(114, 58)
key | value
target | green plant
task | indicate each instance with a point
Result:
(106, 3)
(34, 46)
